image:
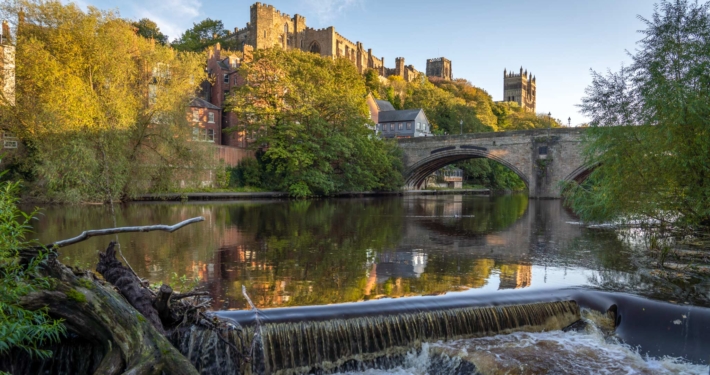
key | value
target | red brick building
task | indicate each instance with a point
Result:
(206, 119)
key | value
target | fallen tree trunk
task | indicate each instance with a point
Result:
(118, 326)
(96, 314)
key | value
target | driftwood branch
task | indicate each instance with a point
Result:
(179, 296)
(102, 232)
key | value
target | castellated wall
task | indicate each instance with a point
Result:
(268, 27)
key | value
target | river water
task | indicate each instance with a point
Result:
(319, 252)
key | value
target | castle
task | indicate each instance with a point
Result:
(268, 27)
(520, 88)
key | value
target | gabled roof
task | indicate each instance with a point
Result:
(384, 105)
(402, 115)
(201, 103)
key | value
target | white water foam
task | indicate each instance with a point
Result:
(554, 352)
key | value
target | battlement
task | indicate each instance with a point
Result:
(329, 28)
(346, 39)
(270, 8)
(524, 75)
(437, 59)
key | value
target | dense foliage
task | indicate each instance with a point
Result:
(311, 115)
(20, 328)
(150, 30)
(203, 34)
(101, 111)
(650, 131)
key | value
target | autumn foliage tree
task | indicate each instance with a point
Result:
(100, 109)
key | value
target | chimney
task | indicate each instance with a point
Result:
(5, 36)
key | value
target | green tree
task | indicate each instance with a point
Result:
(203, 34)
(150, 30)
(310, 114)
(19, 328)
(649, 136)
(101, 111)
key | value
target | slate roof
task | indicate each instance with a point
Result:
(384, 105)
(402, 115)
(201, 103)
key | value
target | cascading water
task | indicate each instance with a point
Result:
(381, 340)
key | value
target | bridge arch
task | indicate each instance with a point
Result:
(581, 173)
(417, 173)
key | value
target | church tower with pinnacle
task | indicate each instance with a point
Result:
(520, 88)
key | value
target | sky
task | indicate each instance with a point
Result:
(559, 41)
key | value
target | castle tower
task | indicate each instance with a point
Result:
(399, 66)
(440, 68)
(268, 27)
(520, 88)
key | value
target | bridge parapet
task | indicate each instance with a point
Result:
(541, 157)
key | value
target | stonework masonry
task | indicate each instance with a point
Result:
(439, 67)
(7, 65)
(542, 158)
(268, 27)
(520, 88)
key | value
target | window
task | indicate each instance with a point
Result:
(419, 126)
(210, 117)
(400, 127)
(391, 127)
(264, 33)
(513, 98)
(542, 150)
(226, 78)
(409, 126)
(195, 115)
(203, 135)
(9, 140)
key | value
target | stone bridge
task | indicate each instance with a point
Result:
(542, 157)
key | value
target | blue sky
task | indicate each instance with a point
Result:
(557, 40)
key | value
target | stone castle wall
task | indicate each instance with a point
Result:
(440, 68)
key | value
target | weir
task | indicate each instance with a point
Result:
(305, 345)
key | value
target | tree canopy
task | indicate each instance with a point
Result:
(310, 113)
(203, 34)
(101, 111)
(649, 137)
(150, 30)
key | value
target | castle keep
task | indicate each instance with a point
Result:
(520, 88)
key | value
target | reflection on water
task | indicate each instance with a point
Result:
(290, 253)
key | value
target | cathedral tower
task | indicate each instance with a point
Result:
(520, 88)
(440, 68)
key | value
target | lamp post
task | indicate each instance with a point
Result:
(549, 124)
(569, 122)
(461, 123)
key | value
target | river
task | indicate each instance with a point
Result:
(329, 251)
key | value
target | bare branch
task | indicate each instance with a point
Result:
(102, 232)
(179, 296)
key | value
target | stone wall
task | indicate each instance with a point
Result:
(7, 65)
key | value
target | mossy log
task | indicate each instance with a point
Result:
(95, 313)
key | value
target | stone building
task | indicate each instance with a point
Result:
(8, 141)
(7, 65)
(205, 119)
(268, 27)
(439, 67)
(520, 88)
(223, 68)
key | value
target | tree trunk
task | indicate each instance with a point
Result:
(127, 342)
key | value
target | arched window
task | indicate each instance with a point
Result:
(314, 48)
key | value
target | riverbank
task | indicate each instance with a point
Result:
(283, 195)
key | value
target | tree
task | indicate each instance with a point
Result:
(203, 34)
(101, 111)
(649, 135)
(310, 115)
(150, 30)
